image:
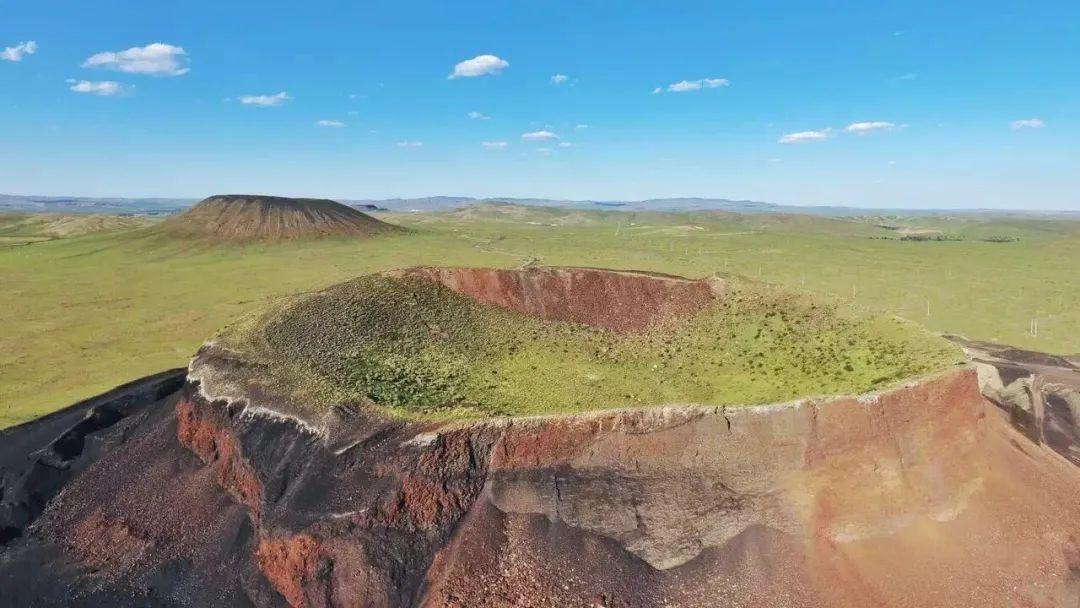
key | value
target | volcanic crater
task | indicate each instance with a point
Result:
(564, 437)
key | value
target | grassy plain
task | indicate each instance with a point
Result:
(79, 315)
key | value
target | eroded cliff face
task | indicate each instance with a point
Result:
(619, 301)
(921, 495)
(928, 494)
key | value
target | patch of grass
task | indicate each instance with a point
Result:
(416, 348)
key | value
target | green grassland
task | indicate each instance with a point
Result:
(79, 315)
(27, 228)
(417, 348)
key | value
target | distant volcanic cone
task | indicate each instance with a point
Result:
(244, 217)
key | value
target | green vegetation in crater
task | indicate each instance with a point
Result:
(417, 348)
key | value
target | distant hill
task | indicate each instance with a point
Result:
(169, 206)
(15, 203)
(246, 217)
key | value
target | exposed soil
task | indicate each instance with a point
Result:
(246, 218)
(619, 301)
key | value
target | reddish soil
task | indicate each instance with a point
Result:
(619, 301)
(215, 444)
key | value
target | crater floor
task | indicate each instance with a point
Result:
(459, 342)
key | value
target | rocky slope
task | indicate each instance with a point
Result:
(246, 218)
(925, 494)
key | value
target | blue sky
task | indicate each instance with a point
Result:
(913, 104)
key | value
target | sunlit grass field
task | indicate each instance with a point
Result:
(79, 315)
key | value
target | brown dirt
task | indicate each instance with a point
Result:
(924, 495)
(619, 301)
(244, 217)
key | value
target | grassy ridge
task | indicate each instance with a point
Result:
(81, 315)
(418, 348)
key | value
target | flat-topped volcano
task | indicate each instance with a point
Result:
(479, 342)
(249, 217)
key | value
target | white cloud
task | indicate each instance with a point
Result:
(559, 78)
(478, 115)
(581, 127)
(539, 136)
(266, 101)
(102, 88)
(565, 144)
(866, 128)
(657, 91)
(17, 52)
(495, 145)
(329, 123)
(805, 136)
(685, 86)
(155, 59)
(410, 144)
(481, 65)
(1027, 123)
(544, 151)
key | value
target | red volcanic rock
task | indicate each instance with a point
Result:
(214, 443)
(617, 300)
(291, 564)
(923, 495)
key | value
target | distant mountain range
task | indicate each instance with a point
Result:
(168, 206)
(81, 204)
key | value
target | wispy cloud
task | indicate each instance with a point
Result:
(800, 137)
(495, 145)
(410, 144)
(17, 52)
(559, 78)
(481, 65)
(866, 128)
(566, 144)
(265, 101)
(155, 59)
(101, 88)
(539, 136)
(686, 86)
(478, 115)
(1027, 123)
(337, 124)
(581, 127)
